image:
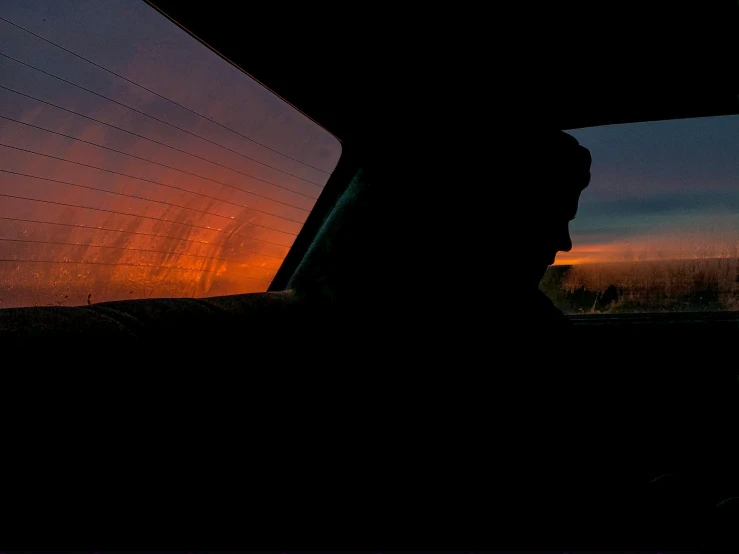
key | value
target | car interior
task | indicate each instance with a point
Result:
(379, 357)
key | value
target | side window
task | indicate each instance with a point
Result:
(137, 163)
(657, 230)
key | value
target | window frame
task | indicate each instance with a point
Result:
(693, 318)
(338, 182)
(336, 185)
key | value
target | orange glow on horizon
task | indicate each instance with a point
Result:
(682, 247)
(591, 253)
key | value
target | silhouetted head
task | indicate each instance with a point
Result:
(555, 170)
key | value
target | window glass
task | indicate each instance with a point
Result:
(136, 163)
(657, 229)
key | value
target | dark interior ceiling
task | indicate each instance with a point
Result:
(588, 64)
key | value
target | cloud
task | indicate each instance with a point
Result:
(663, 204)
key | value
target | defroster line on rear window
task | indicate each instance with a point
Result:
(127, 232)
(147, 181)
(134, 156)
(143, 199)
(127, 249)
(164, 97)
(23, 260)
(169, 221)
(153, 141)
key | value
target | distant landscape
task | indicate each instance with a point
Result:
(700, 284)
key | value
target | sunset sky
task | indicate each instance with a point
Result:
(154, 168)
(194, 187)
(665, 189)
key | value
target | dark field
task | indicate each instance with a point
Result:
(693, 285)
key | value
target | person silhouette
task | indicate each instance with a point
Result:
(557, 172)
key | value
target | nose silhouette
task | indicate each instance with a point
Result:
(565, 242)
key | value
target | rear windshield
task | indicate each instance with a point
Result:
(136, 163)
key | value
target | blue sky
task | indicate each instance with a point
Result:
(663, 186)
